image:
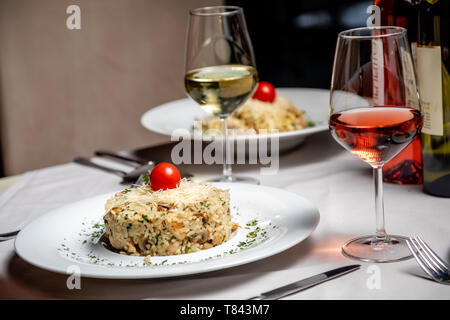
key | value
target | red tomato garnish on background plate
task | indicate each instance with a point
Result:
(164, 176)
(265, 92)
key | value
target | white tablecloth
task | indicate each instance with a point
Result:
(338, 183)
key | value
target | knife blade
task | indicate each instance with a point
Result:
(127, 177)
(116, 156)
(103, 153)
(306, 283)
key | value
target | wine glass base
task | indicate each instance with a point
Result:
(368, 249)
(235, 179)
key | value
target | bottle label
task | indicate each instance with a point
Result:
(429, 76)
(377, 72)
(409, 79)
(414, 53)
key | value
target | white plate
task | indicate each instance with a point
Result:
(183, 113)
(69, 236)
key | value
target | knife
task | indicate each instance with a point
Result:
(103, 153)
(306, 283)
(127, 178)
(139, 162)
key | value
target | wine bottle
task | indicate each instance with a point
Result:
(406, 167)
(433, 65)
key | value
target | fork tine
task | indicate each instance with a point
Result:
(423, 264)
(421, 251)
(443, 266)
(426, 256)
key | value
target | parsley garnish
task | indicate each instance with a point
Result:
(146, 178)
(251, 234)
(204, 204)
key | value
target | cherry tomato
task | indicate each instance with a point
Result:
(265, 92)
(164, 176)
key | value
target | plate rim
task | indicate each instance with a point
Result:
(315, 215)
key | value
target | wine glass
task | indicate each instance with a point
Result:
(374, 114)
(220, 68)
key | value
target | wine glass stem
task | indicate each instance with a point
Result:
(225, 154)
(379, 204)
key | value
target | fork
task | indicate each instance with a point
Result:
(429, 261)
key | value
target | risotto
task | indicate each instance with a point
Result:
(189, 218)
(260, 117)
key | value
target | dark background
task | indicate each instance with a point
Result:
(294, 41)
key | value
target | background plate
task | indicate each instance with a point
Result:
(314, 102)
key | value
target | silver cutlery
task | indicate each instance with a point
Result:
(429, 261)
(114, 155)
(306, 283)
(127, 178)
(8, 235)
(128, 159)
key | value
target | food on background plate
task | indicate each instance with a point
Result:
(264, 92)
(264, 112)
(182, 219)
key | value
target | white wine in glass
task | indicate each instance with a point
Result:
(220, 68)
(221, 89)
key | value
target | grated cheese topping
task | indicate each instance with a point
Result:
(261, 116)
(144, 199)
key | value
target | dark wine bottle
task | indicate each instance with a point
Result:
(406, 167)
(433, 65)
